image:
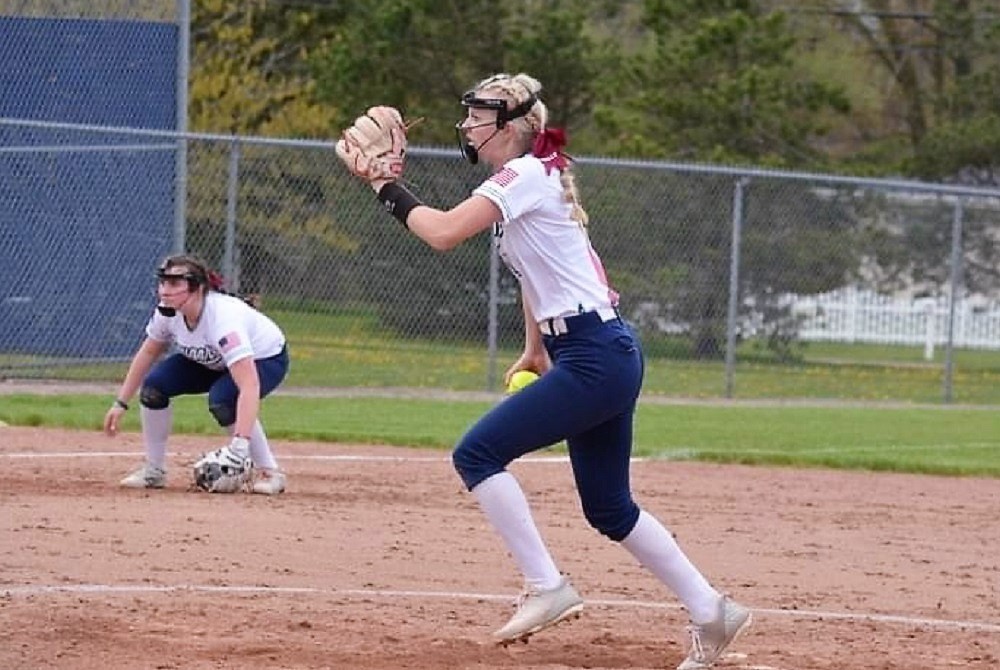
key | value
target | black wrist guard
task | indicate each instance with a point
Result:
(398, 201)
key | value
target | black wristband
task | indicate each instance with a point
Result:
(121, 403)
(398, 201)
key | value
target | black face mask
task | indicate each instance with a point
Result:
(193, 282)
(504, 115)
(470, 152)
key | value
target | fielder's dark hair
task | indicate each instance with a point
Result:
(200, 274)
(197, 273)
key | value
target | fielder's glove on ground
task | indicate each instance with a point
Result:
(224, 470)
(374, 148)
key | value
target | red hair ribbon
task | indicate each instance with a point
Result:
(548, 147)
(216, 281)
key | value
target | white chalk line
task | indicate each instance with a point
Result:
(126, 589)
(360, 458)
(284, 457)
(690, 452)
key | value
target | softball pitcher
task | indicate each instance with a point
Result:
(224, 347)
(591, 361)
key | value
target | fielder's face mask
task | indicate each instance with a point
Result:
(172, 274)
(504, 115)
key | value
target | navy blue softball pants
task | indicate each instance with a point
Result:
(177, 375)
(587, 398)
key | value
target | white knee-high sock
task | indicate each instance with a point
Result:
(655, 548)
(260, 449)
(506, 508)
(156, 424)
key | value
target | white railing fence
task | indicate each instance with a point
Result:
(858, 315)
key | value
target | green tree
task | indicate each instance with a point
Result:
(717, 82)
(251, 74)
(964, 144)
(421, 55)
(417, 55)
(943, 59)
(250, 69)
(944, 68)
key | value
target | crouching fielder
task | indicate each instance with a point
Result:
(225, 348)
(591, 359)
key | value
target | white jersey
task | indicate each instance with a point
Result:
(549, 253)
(229, 330)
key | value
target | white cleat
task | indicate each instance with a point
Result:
(537, 610)
(268, 482)
(147, 477)
(709, 640)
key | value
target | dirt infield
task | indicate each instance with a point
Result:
(376, 558)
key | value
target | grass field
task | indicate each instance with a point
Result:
(347, 349)
(919, 439)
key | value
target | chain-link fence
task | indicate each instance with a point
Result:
(717, 267)
(780, 280)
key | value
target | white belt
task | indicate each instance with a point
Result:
(560, 325)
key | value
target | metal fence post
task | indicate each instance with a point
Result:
(494, 320)
(180, 160)
(229, 270)
(955, 278)
(734, 285)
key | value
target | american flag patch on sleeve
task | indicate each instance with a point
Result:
(504, 177)
(229, 342)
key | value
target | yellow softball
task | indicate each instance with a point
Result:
(520, 379)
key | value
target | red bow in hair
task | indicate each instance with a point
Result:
(548, 147)
(216, 281)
